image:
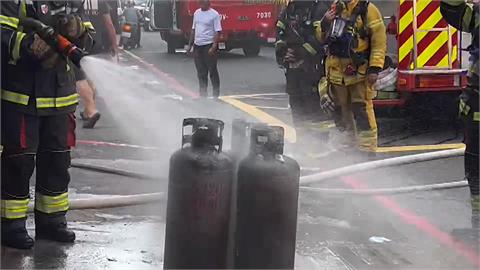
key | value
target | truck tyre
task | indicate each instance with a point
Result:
(146, 27)
(252, 49)
(171, 46)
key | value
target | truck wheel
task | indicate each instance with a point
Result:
(146, 27)
(252, 50)
(171, 46)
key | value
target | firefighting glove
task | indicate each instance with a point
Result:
(290, 56)
(43, 52)
(280, 51)
(326, 97)
(39, 47)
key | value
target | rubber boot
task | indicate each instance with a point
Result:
(15, 235)
(53, 227)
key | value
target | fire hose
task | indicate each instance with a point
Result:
(147, 198)
(389, 162)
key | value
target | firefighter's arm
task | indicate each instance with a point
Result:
(321, 23)
(459, 14)
(281, 27)
(15, 43)
(104, 9)
(378, 39)
(281, 44)
(311, 46)
(319, 33)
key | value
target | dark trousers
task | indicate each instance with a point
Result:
(206, 64)
(138, 36)
(470, 98)
(31, 141)
(304, 101)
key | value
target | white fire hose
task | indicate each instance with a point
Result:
(389, 162)
(147, 198)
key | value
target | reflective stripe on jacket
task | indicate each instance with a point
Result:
(26, 86)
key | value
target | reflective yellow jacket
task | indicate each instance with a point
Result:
(376, 43)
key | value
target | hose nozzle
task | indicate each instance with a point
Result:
(56, 41)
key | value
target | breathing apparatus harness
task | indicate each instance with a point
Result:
(343, 35)
(298, 18)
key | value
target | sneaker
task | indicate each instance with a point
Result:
(91, 121)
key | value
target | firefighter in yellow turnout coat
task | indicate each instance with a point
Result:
(356, 39)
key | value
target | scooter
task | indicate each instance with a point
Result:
(128, 36)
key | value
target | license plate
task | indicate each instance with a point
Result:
(271, 40)
(221, 46)
(126, 34)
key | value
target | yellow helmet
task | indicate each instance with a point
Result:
(281, 2)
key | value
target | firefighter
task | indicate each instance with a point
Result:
(356, 46)
(465, 17)
(37, 117)
(301, 54)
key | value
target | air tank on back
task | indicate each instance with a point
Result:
(267, 201)
(199, 193)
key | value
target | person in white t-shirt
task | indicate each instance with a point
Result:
(206, 28)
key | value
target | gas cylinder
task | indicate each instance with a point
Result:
(240, 138)
(198, 205)
(267, 199)
(239, 149)
(240, 142)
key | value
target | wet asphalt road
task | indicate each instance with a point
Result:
(425, 230)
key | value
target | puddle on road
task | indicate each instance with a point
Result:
(118, 245)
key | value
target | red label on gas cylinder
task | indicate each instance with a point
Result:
(209, 201)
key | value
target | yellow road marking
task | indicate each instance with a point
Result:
(262, 116)
(257, 95)
(290, 135)
(411, 148)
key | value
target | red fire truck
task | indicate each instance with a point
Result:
(427, 51)
(246, 23)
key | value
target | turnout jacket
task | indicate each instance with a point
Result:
(465, 17)
(26, 86)
(295, 31)
(373, 45)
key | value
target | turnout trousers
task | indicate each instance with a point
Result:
(303, 97)
(355, 115)
(311, 123)
(468, 109)
(41, 142)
